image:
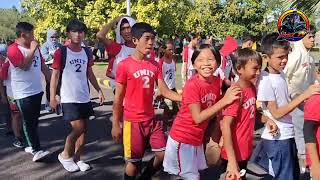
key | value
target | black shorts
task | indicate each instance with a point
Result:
(76, 111)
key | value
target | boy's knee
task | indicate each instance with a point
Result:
(78, 131)
(160, 155)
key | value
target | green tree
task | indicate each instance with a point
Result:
(216, 17)
(8, 20)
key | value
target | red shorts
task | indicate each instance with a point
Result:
(138, 135)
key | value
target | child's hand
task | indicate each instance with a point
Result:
(273, 128)
(315, 173)
(313, 89)
(116, 133)
(232, 171)
(34, 45)
(101, 97)
(54, 104)
(231, 94)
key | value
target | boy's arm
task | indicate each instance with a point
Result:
(117, 111)
(166, 92)
(93, 80)
(46, 72)
(102, 34)
(279, 112)
(269, 123)
(18, 60)
(309, 131)
(2, 94)
(53, 88)
(183, 71)
(226, 124)
(199, 116)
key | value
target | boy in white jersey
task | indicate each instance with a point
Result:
(119, 49)
(74, 69)
(187, 69)
(168, 67)
(26, 65)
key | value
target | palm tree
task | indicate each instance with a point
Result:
(307, 6)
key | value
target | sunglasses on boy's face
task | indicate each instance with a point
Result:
(54, 37)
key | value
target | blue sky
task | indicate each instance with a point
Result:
(10, 3)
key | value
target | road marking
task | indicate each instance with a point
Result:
(105, 83)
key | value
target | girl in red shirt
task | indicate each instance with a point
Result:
(201, 100)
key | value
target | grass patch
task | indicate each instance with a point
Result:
(101, 64)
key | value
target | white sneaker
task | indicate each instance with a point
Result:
(68, 164)
(29, 150)
(47, 108)
(40, 155)
(83, 166)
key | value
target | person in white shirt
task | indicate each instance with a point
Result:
(187, 70)
(276, 105)
(72, 67)
(300, 74)
(168, 67)
(26, 65)
(121, 48)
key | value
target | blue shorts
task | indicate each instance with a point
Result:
(77, 111)
(283, 156)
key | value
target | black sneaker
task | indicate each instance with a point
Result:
(18, 143)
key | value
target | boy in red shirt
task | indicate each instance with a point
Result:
(135, 80)
(312, 135)
(238, 122)
(200, 101)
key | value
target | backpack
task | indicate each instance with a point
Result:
(63, 63)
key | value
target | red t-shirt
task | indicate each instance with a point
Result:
(244, 113)
(196, 91)
(113, 49)
(139, 77)
(311, 113)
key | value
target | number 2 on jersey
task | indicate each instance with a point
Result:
(35, 63)
(146, 82)
(78, 67)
